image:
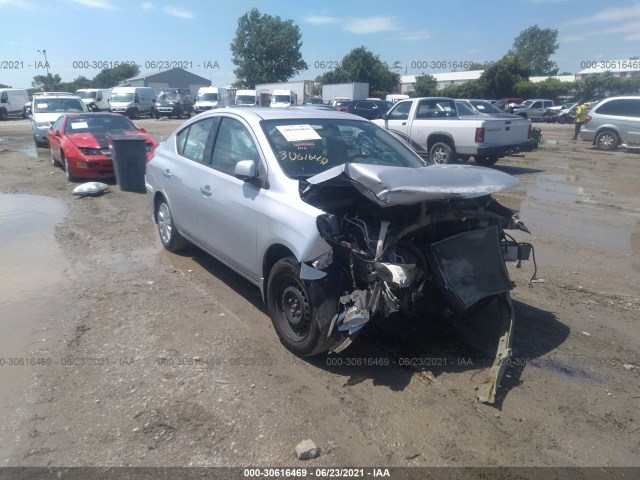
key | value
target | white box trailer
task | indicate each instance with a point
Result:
(351, 91)
(302, 89)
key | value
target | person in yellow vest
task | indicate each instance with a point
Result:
(581, 114)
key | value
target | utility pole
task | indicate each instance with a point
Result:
(46, 65)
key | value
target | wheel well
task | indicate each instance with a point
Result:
(608, 129)
(156, 200)
(433, 139)
(273, 254)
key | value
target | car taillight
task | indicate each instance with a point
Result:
(480, 135)
(587, 119)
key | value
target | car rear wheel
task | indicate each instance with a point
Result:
(486, 161)
(169, 235)
(301, 311)
(442, 153)
(607, 141)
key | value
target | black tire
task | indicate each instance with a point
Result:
(486, 161)
(3, 114)
(562, 120)
(40, 144)
(442, 153)
(169, 235)
(67, 170)
(54, 162)
(156, 114)
(134, 114)
(301, 311)
(607, 141)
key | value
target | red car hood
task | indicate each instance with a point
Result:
(97, 140)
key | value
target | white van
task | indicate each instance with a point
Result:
(96, 99)
(211, 97)
(283, 99)
(132, 101)
(12, 102)
(396, 97)
(246, 98)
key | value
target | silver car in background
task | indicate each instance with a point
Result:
(613, 122)
(336, 221)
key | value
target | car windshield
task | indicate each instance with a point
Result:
(245, 100)
(86, 94)
(465, 108)
(52, 105)
(526, 103)
(95, 123)
(281, 99)
(207, 97)
(122, 97)
(167, 97)
(486, 107)
(306, 147)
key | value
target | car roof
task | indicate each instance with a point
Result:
(92, 115)
(267, 113)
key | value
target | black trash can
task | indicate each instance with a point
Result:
(128, 153)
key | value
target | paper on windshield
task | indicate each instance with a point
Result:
(42, 105)
(78, 125)
(296, 133)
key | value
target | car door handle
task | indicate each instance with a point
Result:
(206, 190)
(404, 123)
(167, 173)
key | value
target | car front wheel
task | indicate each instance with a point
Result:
(67, 169)
(169, 235)
(607, 141)
(301, 311)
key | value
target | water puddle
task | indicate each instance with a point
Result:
(33, 274)
(558, 206)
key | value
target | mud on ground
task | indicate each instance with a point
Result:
(170, 360)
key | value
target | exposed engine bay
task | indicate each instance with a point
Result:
(441, 256)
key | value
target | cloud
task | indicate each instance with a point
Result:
(321, 19)
(147, 6)
(178, 12)
(633, 37)
(627, 27)
(17, 3)
(609, 15)
(419, 35)
(371, 25)
(103, 4)
(572, 38)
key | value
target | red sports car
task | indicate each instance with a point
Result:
(79, 143)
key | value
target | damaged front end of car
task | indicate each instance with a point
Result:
(426, 241)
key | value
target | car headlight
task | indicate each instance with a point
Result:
(90, 151)
(43, 124)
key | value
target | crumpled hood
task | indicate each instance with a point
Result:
(388, 186)
(97, 139)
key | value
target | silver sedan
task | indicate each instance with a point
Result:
(335, 220)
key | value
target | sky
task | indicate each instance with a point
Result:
(80, 37)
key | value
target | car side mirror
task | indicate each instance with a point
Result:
(57, 133)
(246, 170)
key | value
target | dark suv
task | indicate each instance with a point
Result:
(175, 102)
(612, 122)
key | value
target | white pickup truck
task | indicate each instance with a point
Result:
(447, 130)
